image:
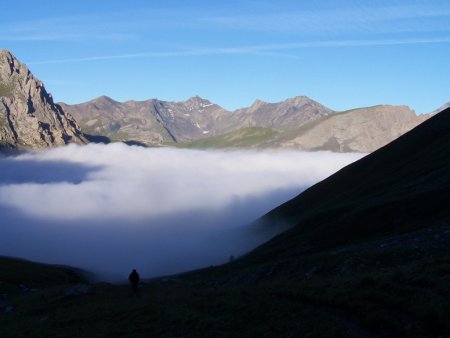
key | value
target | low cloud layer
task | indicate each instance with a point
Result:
(111, 208)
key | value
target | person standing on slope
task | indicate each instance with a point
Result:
(134, 280)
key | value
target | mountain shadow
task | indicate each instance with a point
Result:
(18, 171)
(97, 138)
(135, 143)
(366, 254)
(402, 187)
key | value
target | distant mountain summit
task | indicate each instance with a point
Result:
(28, 115)
(286, 115)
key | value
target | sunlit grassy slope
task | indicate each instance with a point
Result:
(251, 137)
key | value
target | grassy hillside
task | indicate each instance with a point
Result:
(394, 287)
(251, 137)
(14, 272)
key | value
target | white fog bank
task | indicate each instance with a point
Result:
(112, 208)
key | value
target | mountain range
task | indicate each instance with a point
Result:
(193, 119)
(30, 118)
(297, 123)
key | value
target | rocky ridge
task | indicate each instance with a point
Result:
(360, 130)
(297, 123)
(441, 108)
(150, 122)
(157, 122)
(286, 115)
(28, 115)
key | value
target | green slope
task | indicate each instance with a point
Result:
(251, 137)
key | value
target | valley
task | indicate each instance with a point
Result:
(353, 240)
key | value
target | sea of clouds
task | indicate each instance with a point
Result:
(112, 208)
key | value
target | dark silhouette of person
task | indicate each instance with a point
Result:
(134, 280)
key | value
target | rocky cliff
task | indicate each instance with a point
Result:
(28, 115)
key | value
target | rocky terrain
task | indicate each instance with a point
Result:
(359, 130)
(152, 122)
(156, 122)
(28, 115)
(297, 123)
(289, 114)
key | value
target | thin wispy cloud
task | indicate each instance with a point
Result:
(356, 18)
(107, 25)
(135, 24)
(258, 48)
(264, 50)
(39, 36)
(110, 27)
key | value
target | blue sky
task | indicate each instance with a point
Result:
(344, 54)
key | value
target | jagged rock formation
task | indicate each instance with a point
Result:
(152, 122)
(28, 115)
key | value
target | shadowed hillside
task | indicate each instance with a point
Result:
(368, 255)
(401, 187)
(15, 272)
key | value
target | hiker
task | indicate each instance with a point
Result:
(134, 280)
